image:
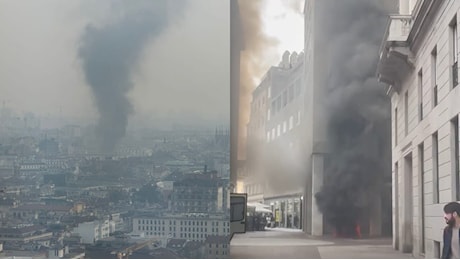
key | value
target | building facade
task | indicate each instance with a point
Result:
(237, 45)
(418, 61)
(253, 184)
(275, 172)
(93, 231)
(217, 247)
(193, 227)
(199, 193)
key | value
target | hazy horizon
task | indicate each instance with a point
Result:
(41, 71)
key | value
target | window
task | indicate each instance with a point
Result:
(268, 115)
(396, 127)
(278, 104)
(437, 249)
(297, 87)
(279, 130)
(455, 153)
(268, 136)
(284, 98)
(273, 134)
(435, 168)
(454, 51)
(291, 122)
(406, 113)
(284, 127)
(421, 163)
(298, 118)
(269, 94)
(434, 75)
(420, 95)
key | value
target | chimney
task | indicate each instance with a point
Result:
(285, 60)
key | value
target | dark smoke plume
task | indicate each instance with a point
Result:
(357, 108)
(110, 54)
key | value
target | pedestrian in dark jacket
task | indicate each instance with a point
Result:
(451, 236)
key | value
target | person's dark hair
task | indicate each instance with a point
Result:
(452, 207)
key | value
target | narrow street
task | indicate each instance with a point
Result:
(291, 244)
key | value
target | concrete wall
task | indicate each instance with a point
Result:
(436, 119)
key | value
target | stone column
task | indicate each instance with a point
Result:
(317, 183)
(404, 7)
(375, 216)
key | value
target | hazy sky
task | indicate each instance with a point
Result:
(183, 73)
(283, 20)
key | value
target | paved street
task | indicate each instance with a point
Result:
(283, 243)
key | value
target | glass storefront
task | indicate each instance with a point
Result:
(287, 212)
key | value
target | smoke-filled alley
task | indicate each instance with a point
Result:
(318, 137)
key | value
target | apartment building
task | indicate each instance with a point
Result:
(419, 62)
(93, 231)
(194, 227)
(285, 171)
(217, 247)
(253, 184)
(274, 171)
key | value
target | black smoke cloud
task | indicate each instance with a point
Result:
(110, 54)
(357, 108)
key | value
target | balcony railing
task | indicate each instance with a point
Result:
(398, 29)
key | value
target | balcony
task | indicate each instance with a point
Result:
(398, 28)
(396, 58)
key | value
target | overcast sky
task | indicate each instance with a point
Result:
(283, 20)
(182, 73)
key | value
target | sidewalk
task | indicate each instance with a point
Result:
(291, 244)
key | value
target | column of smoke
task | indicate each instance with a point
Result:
(254, 62)
(357, 107)
(110, 54)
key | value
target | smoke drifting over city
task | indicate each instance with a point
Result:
(110, 54)
(357, 109)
